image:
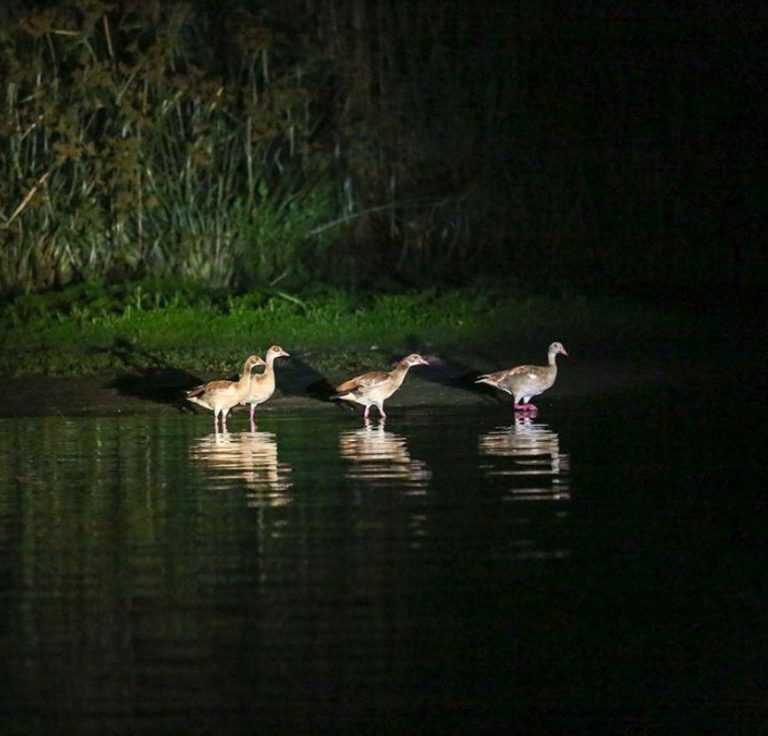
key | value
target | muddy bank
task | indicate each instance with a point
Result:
(302, 388)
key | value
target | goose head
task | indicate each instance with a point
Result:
(252, 361)
(414, 359)
(276, 352)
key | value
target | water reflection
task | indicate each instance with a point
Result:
(528, 454)
(378, 455)
(246, 456)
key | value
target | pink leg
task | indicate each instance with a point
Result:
(381, 411)
(252, 421)
(525, 407)
(365, 415)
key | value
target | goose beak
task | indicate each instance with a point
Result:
(562, 350)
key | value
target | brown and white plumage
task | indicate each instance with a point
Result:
(221, 396)
(263, 384)
(372, 389)
(526, 381)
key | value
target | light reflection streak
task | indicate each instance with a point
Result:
(250, 457)
(526, 460)
(378, 455)
(528, 454)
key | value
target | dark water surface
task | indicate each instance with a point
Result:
(450, 571)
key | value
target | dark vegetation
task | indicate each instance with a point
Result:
(380, 143)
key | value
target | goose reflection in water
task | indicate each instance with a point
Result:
(532, 458)
(249, 457)
(378, 455)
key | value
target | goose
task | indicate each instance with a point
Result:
(221, 396)
(372, 389)
(263, 384)
(526, 381)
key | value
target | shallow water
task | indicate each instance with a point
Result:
(458, 571)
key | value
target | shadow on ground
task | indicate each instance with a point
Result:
(455, 373)
(296, 377)
(150, 379)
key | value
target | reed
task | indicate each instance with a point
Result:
(132, 148)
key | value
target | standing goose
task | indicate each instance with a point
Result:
(371, 389)
(526, 381)
(221, 396)
(263, 384)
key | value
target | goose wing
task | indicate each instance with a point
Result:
(209, 387)
(366, 382)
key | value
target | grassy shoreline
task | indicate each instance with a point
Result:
(91, 330)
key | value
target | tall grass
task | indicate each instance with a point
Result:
(134, 145)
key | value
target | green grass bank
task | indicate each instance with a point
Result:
(96, 328)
